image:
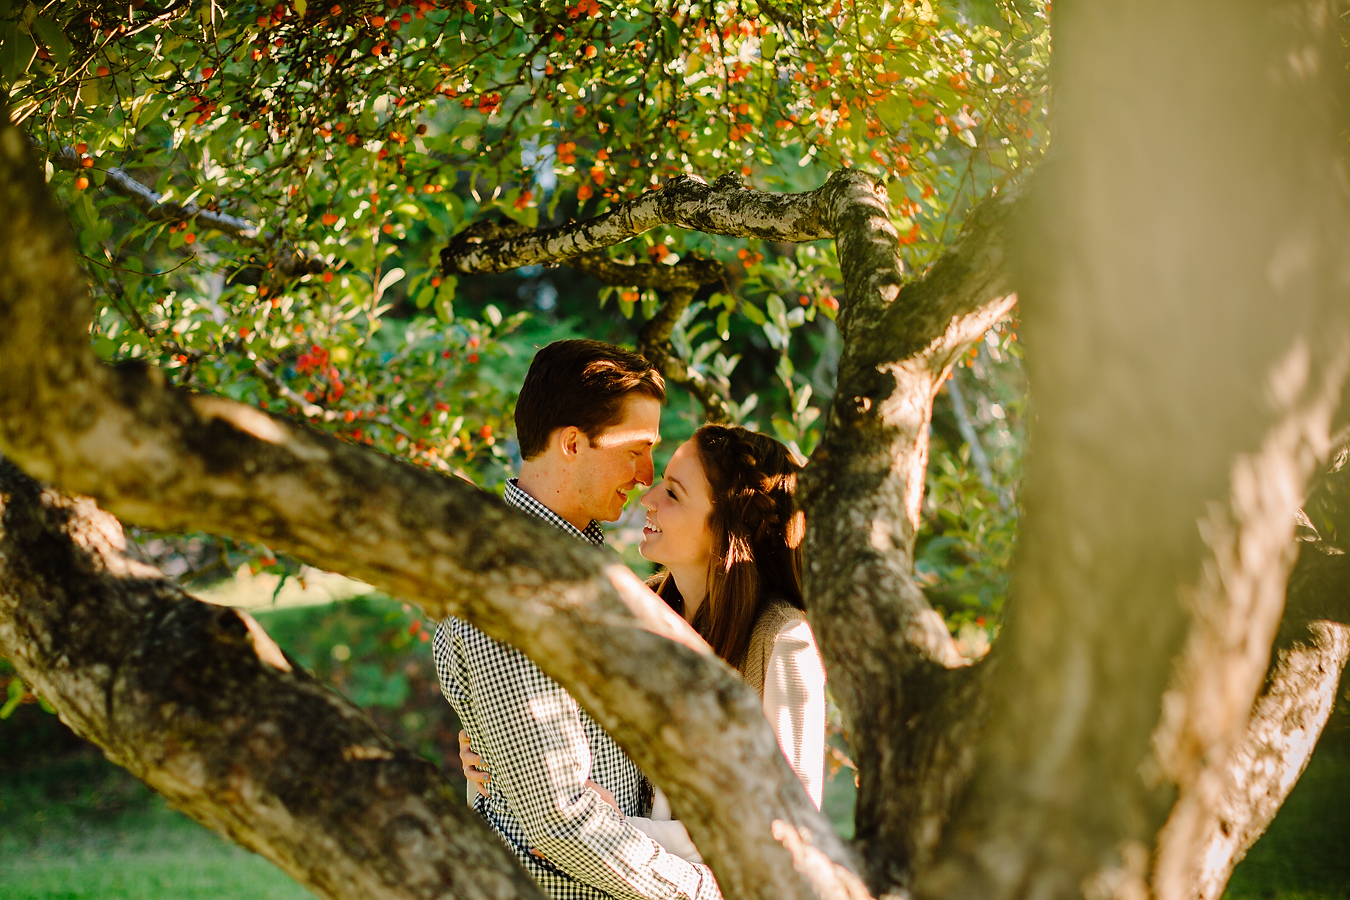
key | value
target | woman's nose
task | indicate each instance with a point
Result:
(645, 500)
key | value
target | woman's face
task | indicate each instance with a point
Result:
(677, 534)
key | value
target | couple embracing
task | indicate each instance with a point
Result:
(722, 522)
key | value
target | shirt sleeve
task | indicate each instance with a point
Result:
(794, 702)
(529, 732)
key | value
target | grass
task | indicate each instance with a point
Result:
(83, 829)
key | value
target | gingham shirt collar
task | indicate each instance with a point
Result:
(520, 498)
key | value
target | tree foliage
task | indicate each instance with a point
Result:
(355, 136)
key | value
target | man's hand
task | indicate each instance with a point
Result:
(605, 796)
(474, 770)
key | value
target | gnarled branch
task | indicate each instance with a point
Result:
(723, 207)
(676, 285)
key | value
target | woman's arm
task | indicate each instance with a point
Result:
(794, 702)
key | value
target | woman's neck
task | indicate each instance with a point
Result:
(692, 583)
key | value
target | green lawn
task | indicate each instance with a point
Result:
(82, 829)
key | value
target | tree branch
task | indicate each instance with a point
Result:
(724, 207)
(198, 702)
(677, 286)
(290, 262)
(654, 344)
(690, 273)
(1311, 648)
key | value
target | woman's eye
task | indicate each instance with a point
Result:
(671, 493)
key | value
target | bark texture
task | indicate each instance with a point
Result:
(169, 460)
(912, 712)
(200, 704)
(723, 207)
(1185, 320)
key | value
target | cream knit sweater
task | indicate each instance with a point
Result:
(783, 665)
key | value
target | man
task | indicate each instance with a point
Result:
(587, 419)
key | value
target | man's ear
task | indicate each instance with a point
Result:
(569, 441)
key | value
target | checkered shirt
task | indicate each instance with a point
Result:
(540, 748)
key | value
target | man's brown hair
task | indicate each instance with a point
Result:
(581, 383)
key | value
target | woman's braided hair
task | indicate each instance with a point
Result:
(757, 533)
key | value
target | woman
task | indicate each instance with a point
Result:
(723, 524)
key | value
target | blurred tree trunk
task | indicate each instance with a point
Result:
(1184, 287)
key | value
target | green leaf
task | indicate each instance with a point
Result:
(514, 15)
(16, 52)
(15, 697)
(54, 38)
(445, 310)
(389, 279)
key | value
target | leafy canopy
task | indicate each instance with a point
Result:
(351, 138)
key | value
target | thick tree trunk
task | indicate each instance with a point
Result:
(911, 708)
(198, 702)
(1184, 284)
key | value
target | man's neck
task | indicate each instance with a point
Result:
(551, 489)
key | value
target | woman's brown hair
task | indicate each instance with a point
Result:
(757, 535)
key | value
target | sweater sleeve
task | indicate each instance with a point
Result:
(794, 702)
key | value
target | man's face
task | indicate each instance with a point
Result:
(619, 459)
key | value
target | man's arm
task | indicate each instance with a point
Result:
(529, 731)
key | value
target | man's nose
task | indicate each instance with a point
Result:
(646, 469)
